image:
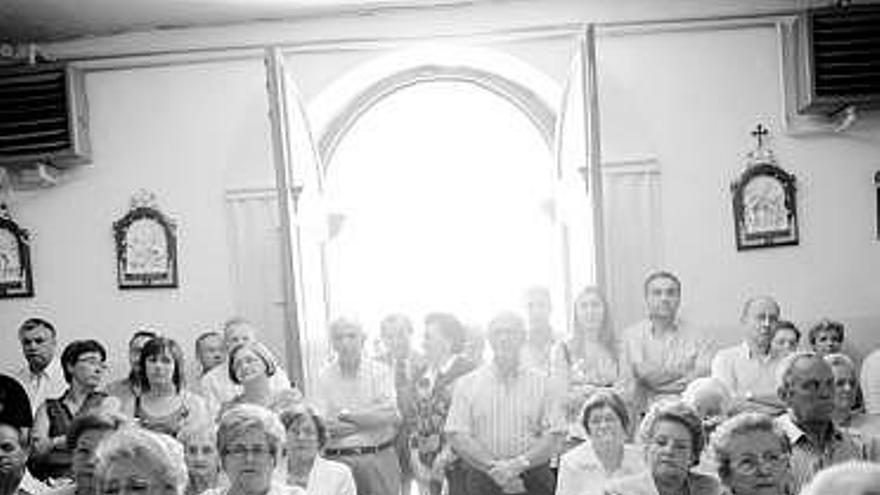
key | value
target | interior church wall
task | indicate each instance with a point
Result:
(686, 99)
(185, 133)
(689, 99)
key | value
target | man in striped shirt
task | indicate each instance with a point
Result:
(506, 420)
(806, 386)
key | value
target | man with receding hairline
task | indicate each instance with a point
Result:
(357, 397)
(663, 353)
(805, 384)
(506, 419)
(395, 332)
(748, 369)
(42, 376)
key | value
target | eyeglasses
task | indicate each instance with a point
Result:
(303, 432)
(92, 361)
(132, 485)
(241, 451)
(768, 460)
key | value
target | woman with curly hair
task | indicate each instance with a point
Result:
(673, 439)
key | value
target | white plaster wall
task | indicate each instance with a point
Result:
(690, 99)
(687, 98)
(184, 132)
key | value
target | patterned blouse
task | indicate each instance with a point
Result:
(433, 397)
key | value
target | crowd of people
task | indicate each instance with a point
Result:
(653, 409)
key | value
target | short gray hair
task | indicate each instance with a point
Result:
(156, 451)
(786, 367)
(677, 411)
(841, 359)
(742, 424)
(243, 417)
(754, 299)
(197, 430)
(508, 320)
(848, 478)
(344, 321)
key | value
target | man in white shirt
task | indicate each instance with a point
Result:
(663, 354)
(42, 377)
(748, 369)
(359, 401)
(506, 419)
(217, 386)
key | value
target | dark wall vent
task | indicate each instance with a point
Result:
(43, 116)
(840, 59)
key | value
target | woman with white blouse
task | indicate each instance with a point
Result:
(584, 469)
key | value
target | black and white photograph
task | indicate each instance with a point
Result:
(439, 247)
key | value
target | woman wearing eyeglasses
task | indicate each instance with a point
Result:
(752, 455)
(83, 362)
(306, 436)
(250, 440)
(672, 435)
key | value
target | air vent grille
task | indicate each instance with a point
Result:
(843, 58)
(42, 115)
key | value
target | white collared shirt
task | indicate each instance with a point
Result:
(507, 415)
(48, 384)
(582, 473)
(372, 386)
(30, 485)
(744, 373)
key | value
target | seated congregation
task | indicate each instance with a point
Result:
(654, 408)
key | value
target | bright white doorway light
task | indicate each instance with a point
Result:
(444, 187)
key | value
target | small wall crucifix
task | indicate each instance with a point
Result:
(760, 133)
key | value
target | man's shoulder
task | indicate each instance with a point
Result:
(217, 373)
(786, 424)
(54, 369)
(473, 379)
(119, 388)
(634, 484)
(31, 486)
(330, 467)
(637, 329)
(731, 353)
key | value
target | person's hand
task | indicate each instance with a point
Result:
(420, 471)
(438, 467)
(430, 443)
(501, 473)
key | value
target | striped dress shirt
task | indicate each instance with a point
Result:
(507, 417)
(808, 458)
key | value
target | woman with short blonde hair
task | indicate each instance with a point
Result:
(133, 457)
(250, 439)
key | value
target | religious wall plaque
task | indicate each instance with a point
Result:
(764, 201)
(16, 279)
(146, 246)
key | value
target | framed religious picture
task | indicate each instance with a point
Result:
(16, 279)
(146, 246)
(764, 202)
